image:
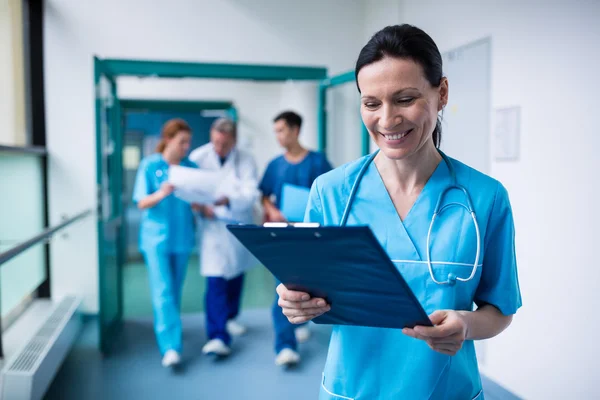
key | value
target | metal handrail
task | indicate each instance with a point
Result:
(20, 248)
(36, 150)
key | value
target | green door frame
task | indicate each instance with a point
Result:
(109, 218)
(178, 105)
(114, 68)
(325, 85)
(174, 105)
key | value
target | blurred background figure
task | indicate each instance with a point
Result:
(299, 167)
(223, 259)
(166, 234)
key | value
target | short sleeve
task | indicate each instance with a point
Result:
(267, 182)
(499, 283)
(314, 208)
(141, 188)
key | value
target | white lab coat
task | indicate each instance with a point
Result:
(221, 254)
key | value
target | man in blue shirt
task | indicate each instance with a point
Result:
(300, 167)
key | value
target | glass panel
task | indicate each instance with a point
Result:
(21, 218)
(12, 75)
(344, 126)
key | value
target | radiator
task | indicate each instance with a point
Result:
(29, 373)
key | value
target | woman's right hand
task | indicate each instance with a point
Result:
(155, 198)
(298, 307)
(166, 189)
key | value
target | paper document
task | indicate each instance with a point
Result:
(191, 196)
(207, 186)
(293, 202)
(195, 185)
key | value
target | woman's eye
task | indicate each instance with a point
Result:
(405, 100)
(370, 105)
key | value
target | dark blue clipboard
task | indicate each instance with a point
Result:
(344, 265)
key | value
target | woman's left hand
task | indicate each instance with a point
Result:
(448, 334)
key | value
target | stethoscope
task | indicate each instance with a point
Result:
(437, 211)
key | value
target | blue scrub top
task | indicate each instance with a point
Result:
(167, 227)
(280, 171)
(374, 363)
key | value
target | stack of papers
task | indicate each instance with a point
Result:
(200, 186)
(195, 185)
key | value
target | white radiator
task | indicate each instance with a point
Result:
(29, 373)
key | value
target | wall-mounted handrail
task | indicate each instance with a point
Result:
(35, 150)
(21, 247)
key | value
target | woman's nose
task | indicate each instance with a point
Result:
(389, 118)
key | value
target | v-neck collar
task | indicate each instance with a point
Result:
(435, 176)
(421, 211)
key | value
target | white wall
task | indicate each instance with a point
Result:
(378, 15)
(344, 125)
(244, 31)
(545, 60)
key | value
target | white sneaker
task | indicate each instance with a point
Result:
(216, 347)
(287, 357)
(234, 328)
(302, 334)
(171, 358)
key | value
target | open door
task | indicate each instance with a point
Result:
(110, 210)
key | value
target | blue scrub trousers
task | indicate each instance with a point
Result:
(222, 303)
(285, 331)
(166, 272)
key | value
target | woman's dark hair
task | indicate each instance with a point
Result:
(410, 42)
(169, 130)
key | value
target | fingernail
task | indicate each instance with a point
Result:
(321, 303)
(305, 297)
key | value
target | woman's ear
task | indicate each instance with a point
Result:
(443, 91)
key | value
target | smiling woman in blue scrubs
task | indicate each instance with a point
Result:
(167, 234)
(462, 268)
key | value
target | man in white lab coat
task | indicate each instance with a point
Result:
(223, 259)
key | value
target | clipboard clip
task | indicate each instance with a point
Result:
(291, 225)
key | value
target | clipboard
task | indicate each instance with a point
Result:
(344, 265)
(293, 202)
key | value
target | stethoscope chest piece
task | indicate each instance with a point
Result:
(451, 279)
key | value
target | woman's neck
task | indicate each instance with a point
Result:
(170, 158)
(412, 173)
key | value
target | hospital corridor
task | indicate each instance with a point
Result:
(283, 199)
